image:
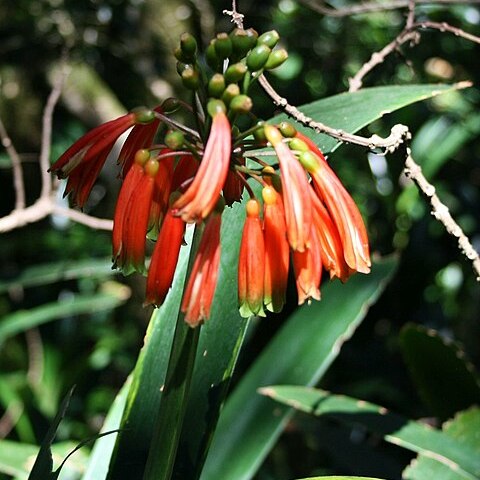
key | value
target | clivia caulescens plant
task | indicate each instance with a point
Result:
(174, 175)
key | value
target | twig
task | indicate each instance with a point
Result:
(46, 204)
(389, 144)
(411, 14)
(236, 17)
(16, 167)
(440, 211)
(47, 121)
(408, 34)
(371, 7)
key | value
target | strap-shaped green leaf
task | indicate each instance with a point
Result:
(457, 451)
(300, 353)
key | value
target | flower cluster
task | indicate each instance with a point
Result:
(298, 212)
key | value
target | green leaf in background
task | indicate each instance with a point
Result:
(16, 459)
(464, 430)
(432, 146)
(440, 138)
(445, 381)
(457, 452)
(13, 403)
(301, 352)
(99, 459)
(353, 111)
(337, 477)
(43, 466)
(114, 294)
(59, 271)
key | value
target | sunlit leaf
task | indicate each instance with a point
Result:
(458, 453)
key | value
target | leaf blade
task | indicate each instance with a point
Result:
(301, 352)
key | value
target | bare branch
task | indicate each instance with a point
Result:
(44, 207)
(371, 7)
(408, 34)
(47, 121)
(411, 14)
(236, 17)
(83, 218)
(16, 167)
(440, 211)
(388, 144)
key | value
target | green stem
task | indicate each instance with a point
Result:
(168, 425)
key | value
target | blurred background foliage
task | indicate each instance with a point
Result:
(119, 57)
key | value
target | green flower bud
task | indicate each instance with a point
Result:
(216, 85)
(223, 45)
(309, 161)
(241, 104)
(299, 145)
(257, 58)
(211, 56)
(141, 157)
(235, 72)
(270, 39)
(143, 115)
(188, 45)
(230, 92)
(174, 139)
(287, 129)
(259, 133)
(215, 106)
(190, 79)
(170, 105)
(276, 58)
(181, 67)
(151, 167)
(243, 41)
(178, 54)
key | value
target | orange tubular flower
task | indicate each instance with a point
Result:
(164, 259)
(133, 214)
(251, 264)
(202, 195)
(329, 238)
(82, 162)
(296, 199)
(343, 211)
(198, 296)
(276, 250)
(307, 266)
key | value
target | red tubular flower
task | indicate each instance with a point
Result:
(202, 195)
(129, 186)
(198, 296)
(134, 214)
(307, 266)
(140, 137)
(343, 211)
(234, 185)
(276, 250)
(296, 199)
(251, 263)
(83, 161)
(164, 259)
(186, 169)
(161, 193)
